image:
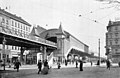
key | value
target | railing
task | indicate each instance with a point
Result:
(12, 32)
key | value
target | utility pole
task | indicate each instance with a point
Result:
(99, 52)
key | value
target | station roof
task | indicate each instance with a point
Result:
(77, 52)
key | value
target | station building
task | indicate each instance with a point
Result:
(68, 46)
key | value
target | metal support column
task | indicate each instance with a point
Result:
(3, 57)
(21, 54)
(45, 53)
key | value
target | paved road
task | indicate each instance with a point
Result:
(69, 72)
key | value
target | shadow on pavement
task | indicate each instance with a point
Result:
(7, 71)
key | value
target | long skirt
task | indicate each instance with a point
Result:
(45, 70)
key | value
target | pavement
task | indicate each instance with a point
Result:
(34, 66)
(69, 71)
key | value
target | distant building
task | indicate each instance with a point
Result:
(113, 41)
(14, 25)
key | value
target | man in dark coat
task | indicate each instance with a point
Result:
(65, 62)
(17, 64)
(39, 66)
(108, 64)
(119, 63)
(81, 65)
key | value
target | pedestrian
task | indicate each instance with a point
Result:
(98, 62)
(65, 62)
(58, 65)
(46, 68)
(108, 64)
(81, 65)
(119, 63)
(17, 64)
(39, 66)
(14, 64)
(46, 64)
(76, 64)
(91, 63)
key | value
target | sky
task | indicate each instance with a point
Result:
(85, 19)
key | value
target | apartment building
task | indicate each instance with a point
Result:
(113, 41)
(14, 25)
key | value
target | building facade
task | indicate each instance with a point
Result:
(13, 25)
(113, 41)
(67, 45)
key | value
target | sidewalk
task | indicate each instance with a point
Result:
(34, 66)
(69, 71)
(62, 66)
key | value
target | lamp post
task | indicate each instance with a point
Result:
(4, 42)
(99, 51)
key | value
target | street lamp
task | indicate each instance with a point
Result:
(99, 53)
(4, 42)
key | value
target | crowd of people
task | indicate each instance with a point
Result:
(43, 66)
(40, 63)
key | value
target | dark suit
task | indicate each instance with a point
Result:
(81, 65)
(39, 66)
(17, 64)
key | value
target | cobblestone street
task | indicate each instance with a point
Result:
(68, 72)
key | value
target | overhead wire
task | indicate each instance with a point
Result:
(80, 15)
(84, 15)
(101, 17)
(73, 14)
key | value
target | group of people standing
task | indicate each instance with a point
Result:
(45, 68)
(80, 65)
(108, 63)
(76, 63)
